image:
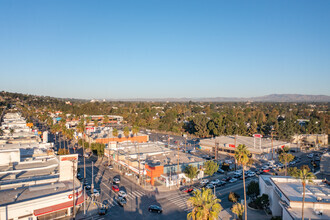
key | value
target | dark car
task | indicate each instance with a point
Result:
(79, 176)
(155, 208)
(237, 176)
(226, 179)
(102, 211)
(88, 187)
(221, 183)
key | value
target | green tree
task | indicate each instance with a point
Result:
(233, 197)
(238, 209)
(106, 120)
(96, 123)
(126, 132)
(206, 205)
(210, 167)
(286, 158)
(305, 177)
(191, 172)
(242, 157)
(115, 132)
(253, 189)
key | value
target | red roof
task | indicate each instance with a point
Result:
(58, 207)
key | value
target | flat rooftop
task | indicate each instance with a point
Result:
(171, 158)
(293, 190)
(143, 149)
(252, 143)
(21, 194)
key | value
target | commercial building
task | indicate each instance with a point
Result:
(286, 193)
(325, 166)
(34, 183)
(311, 139)
(260, 148)
(158, 163)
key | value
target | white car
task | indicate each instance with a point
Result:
(209, 186)
(204, 181)
(310, 155)
(122, 193)
(265, 167)
(233, 180)
(215, 182)
(95, 192)
(251, 174)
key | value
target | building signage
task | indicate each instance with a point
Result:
(76, 194)
(232, 145)
(257, 135)
(68, 158)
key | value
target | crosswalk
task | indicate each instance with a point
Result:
(181, 200)
(130, 196)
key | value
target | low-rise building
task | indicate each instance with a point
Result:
(286, 195)
(260, 148)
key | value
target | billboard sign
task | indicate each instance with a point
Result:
(257, 135)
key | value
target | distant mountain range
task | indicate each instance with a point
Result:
(267, 98)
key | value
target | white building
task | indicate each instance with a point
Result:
(285, 196)
(260, 148)
(34, 183)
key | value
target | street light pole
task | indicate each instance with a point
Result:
(92, 186)
(74, 202)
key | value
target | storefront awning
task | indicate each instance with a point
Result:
(58, 207)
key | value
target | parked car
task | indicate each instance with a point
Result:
(233, 180)
(237, 175)
(265, 167)
(88, 187)
(79, 176)
(155, 208)
(96, 192)
(115, 188)
(220, 171)
(251, 174)
(221, 183)
(215, 182)
(310, 155)
(226, 179)
(204, 181)
(209, 186)
(122, 193)
(187, 189)
(110, 167)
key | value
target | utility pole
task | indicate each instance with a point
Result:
(92, 186)
(178, 165)
(185, 144)
(272, 146)
(139, 164)
(234, 155)
(73, 189)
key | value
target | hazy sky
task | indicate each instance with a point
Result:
(164, 48)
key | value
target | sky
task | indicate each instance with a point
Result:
(117, 49)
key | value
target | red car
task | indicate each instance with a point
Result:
(115, 188)
(266, 171)
(188, 190)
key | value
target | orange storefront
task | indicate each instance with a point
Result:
(153, 172)
(138, 139)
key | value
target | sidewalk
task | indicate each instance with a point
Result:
(91, 209)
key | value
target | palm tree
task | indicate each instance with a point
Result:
(11, 130)
(115, 132)
(206, 205)
(238, 209)
(126, 132)
(286, 158)
(242, 157)
(1, 132)
(305, 177)
(135, 130)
